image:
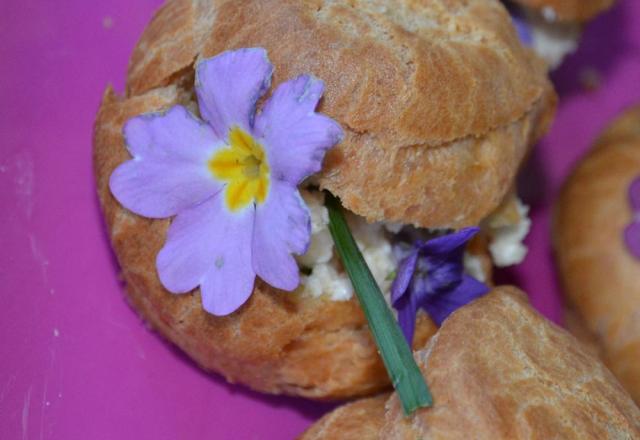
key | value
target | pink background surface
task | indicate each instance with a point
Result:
(75, 361)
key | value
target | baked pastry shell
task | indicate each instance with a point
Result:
(497, 370)
(440, 104)
(601, 278)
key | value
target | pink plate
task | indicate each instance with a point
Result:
(75, 361)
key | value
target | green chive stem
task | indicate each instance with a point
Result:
(394, 350)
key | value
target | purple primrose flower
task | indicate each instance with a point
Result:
(431, 276)
(632, 232)
(230, 180)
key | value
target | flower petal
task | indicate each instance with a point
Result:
(632, 238)
(229, 85)
(634, 194)
(445, 244)
(441, 306)
(282, 227)
(443, 261)
(207, 246)
(407, 308)
(524, 30)
(443, 273)
(403, 278)
(296, 137)
(168, 172)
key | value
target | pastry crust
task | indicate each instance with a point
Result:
(573, 322)
(359, 420)
(569, 10)
(278, 342)
(439, 112)
(601, 278)
(499, 370)
(438, 100)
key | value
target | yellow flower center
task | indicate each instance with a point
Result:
(243, 165)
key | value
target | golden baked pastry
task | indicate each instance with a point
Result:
(404, 78)
(439, 104)
(601, 278)
(569, 10)
(498, 370)
(574, 323)
(363, 419)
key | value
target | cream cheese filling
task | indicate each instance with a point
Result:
(322, 272)
(507, 230)
(553, 41)
(326, 277)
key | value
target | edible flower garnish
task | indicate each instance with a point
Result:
(431, 276)
(521, 24)
(230, 179)
(524, 30)
(632, 231)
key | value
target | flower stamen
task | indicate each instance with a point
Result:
(244, 167)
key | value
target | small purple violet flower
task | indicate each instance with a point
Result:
(521, 24)
(632, 231)
(524, 30)
(230, 180)
(431, 276)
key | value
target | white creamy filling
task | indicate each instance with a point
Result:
(321, 247)
(473, 266)
(553, 40)
(373, 241)
(506, 246)
(325, 278)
